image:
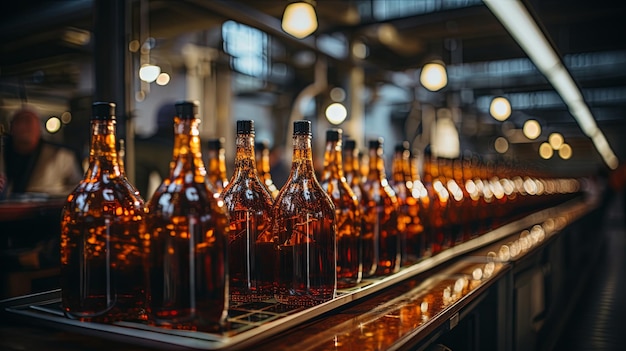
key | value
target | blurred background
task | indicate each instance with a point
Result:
(358, 69)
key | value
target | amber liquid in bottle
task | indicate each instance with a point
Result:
(187, 236)
(409, 224)
(381, 247)
(262, 155)
(347, 210)
(102, 276)
(216, 170)
(438, 196)
(453, 225)
(305, 231)
(252, 264)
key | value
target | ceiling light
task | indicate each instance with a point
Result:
(555, 140)
(337, 94)
(565, 151)
(545, 151)
(53, 124)
(445, 142)
(433, 76)
(532, 129)
(500, 108)
(515, 17)
(163, 79)
(501, 145)
(149, 73)
(336, 113)
(300, 19)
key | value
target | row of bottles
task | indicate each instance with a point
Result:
(197, 245)
(203, 241)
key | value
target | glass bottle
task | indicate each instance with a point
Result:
(305, 230)
(4, 186)
(454, 223)
(216, 170)
(347, 211)
(409, 226)
(458, 190)
(251, 262)
(351, 167)
(438, 195)
(262, 155)
(421, 244)
(102, 276)
(186, 230)
(381, 247)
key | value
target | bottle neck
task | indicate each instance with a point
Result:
(431, 170)
(333, 161)
(103, 155)
(217, 163)
(187, 154)
(398, 168)
(302, 162)
(376, 164)
(445, 168)
(262, 161)
(349, 165)
(245, 161)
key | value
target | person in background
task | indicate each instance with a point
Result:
(40, 173)
(34, 165)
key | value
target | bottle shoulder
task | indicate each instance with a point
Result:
(251, 194)
(297, 195)
(178, 196)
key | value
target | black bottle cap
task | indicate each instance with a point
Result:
(187, 109)
(245, 126)
(376, 143)
(103, 111)
(215, 143)
(349, 144)
(261, 145)
(403, 146)
(428, 151)
(302, 127)
(333, 134)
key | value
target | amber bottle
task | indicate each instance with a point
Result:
(262, 155)
(456, 201)
(186, 231)
(458, 190)
(251, 262)
(438, 195)
(381, 247)
(102, 277)
(410, 231)
(216, 160)
(305, 230)
(347, 210)
(351, 167)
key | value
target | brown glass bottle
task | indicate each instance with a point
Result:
(262, 155)
(305, 229)
(186, 230)
(409, 224)
(464, 207)
(102, 276)
(347, 210)
(251, 264)
(4, 186)
(453, 222)
(351, 168)
(438, 196)
(216, 169)
(381, 247)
